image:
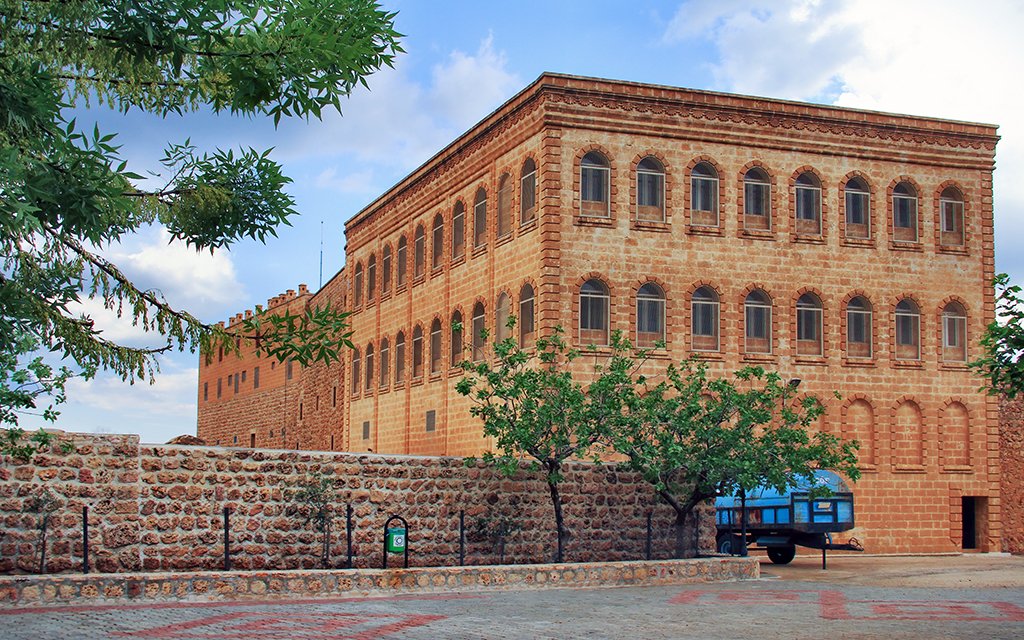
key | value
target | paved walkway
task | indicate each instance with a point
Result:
(798, 602)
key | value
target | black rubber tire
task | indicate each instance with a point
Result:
(782, 555)
(727, 543)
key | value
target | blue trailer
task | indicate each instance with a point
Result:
(779, 522)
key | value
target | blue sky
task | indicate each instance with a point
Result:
(464, 58)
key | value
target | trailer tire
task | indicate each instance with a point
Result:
(782, 555)
(729, 544)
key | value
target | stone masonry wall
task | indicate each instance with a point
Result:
(1011, 454)
(160, 508)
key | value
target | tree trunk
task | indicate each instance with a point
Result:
(556, 502)
(680, 530)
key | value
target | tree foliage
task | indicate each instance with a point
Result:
(694, 436)
(538, 414)
(1003, 342)
(315, 499)
(65, 192)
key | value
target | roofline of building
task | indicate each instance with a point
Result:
(711, 99)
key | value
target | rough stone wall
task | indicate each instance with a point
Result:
(160, 508)
(1011, 456)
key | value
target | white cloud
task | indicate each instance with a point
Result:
(944, 59)
(199, 282)
(400, 122)
(466, 87)
(358, 182)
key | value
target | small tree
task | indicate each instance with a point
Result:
(44, 504)
(1003, 342)
(316, 497)
(694, 437)
(536, 412)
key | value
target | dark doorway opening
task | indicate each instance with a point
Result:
(970, 524)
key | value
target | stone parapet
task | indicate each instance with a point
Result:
(26, 591)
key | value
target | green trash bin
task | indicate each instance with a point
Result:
(395, 540)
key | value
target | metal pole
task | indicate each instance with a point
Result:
(348, 530)
(647, 544)
(85, 539)
(462, 538)
(743, 522)
(227, 540)
(823, 563)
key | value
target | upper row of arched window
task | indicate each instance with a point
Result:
(756, 201)
(394, 267)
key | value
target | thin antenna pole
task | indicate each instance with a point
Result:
(321, 255)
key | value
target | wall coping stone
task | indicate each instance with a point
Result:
(212, 586)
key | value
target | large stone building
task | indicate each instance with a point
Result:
(850, 249)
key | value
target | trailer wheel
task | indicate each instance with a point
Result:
(728, 544)
(782, 555)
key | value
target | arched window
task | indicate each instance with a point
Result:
(808, 325)
(859, 332)
(594, 319)
(504, 205)
(704, 320)
(650, 315)
(704, 195)
(479, 333)
(371, 278)
(501, 313)
(480, 218)
(369, 367)
(528, 192)
(954, 333)
(457, 344)
(385, 271)
(908, 330)
(526, 321)
(458, 230)
(402, 268)
(384, 362)
(951, 218)
(436, 359)
(595, 181)
(757, 313)
(417, 352)
(757, 200)
(650, 190)
(807, 194)
(400, 358)
(418, 252)
(437, 244)
(858, 209)
(357, 285)
(356, 369)
(904, 213)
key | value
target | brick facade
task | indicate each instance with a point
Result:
(797, 220)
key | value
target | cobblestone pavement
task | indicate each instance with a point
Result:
(795, 603)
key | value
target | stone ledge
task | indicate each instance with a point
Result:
(109, 588)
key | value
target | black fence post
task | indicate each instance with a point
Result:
(85, 539)
(462, 538)
(647, 543)
(348, 532)
(227, 540)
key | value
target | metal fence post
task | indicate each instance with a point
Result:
(85, 539)
(462, 538)
(348, 533)
(647, 543)
(227, 540)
